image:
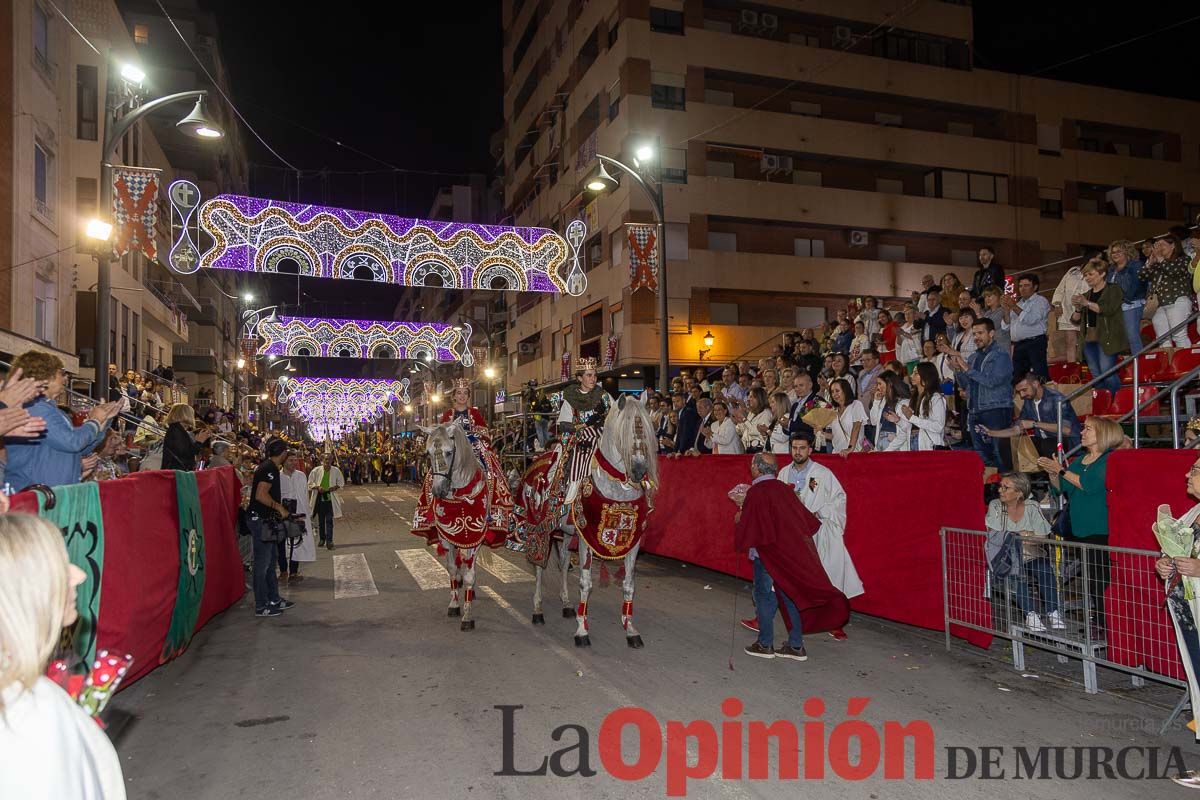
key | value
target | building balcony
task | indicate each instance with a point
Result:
(201, 360)
(164, 316)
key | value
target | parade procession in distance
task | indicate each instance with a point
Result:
(599, 398)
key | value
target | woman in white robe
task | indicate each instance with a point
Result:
(293, 485)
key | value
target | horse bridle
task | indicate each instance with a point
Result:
(440, 466)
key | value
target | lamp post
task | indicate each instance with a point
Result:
(605, 182)
(195, 124)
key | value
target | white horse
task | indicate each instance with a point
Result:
(453, 469)
(623, 473)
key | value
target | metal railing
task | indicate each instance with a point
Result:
(1120, 365)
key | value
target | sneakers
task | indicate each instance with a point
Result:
(269, 611)
(1056, 621)
(751, 624)
(792, 653)
(838, 634)
(283, 605)
(329, 546)
(1034, 623)
(758, 651)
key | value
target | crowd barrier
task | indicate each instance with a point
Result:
(896, 505)
(161, 556)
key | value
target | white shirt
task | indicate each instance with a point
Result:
(750, 434)
(50, 749)
(844, 426)
(725, 439)
(908, 349)
(933, 426)
(1030, 321)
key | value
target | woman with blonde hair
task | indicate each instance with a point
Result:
(951, 288)
(1126, 273)
(180, 447)
(51, 747)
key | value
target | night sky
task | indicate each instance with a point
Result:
(414, 92)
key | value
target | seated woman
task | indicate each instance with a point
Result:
(1014, 511)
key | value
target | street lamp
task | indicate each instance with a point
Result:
(708, 343)
(195, 124)
(489, 373)
(241, 363)
(603, 181)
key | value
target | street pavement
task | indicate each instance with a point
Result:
(366, 689)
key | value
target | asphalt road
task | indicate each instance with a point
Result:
(366, 689)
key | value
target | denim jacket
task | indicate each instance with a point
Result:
(1130, 281)
(988, 379)
(54, 457)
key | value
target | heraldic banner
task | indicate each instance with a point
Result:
(643, 256)
(77, 513)
(610, 351)
(135, 210)
(190, 592)
(566, 366)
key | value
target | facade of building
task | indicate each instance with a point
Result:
(809, 153)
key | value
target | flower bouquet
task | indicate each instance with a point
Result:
(1176, 540)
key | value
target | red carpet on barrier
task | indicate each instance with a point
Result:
(896, 505)
(140, 576)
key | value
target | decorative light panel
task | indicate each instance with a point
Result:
(254, 234)
(353, 338)
(350, 393)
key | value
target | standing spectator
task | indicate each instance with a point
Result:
(732, 390)
(52, 749)
(843, 334)
(1126, 273)
(757, 426)
(935, 321)
(293, 486)
(1099, 313)
(952, 288)
(926, 411)
(965, 301)
(1072, 283)
(887, 331)
(1039, 415)
(704, 410)
(908, 339)
(689, 422)
(990, 273)
(841, 368)
(180, 447)
(1015, 511)
(114, 383)
(777, 437)
(56, 457)
(266, 505)
(846, 431)
(921, 298)
(1084, 484)
(869, 372)
(806, 400)
(701, 378)
(858, 344)
(987, 378)
(963, 341)
(889, 423)
(1026, 319)
(722, 436)
(1170, 289)
(993, 309)
(325, 483)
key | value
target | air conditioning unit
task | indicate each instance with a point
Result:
(860, 239)
(748, 21)
(526, 348)
(769, 23)
(769, 163)
(843, 35)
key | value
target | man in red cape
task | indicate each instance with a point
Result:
(778, 531)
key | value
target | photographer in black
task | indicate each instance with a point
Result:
(264, 519)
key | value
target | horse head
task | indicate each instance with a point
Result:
(452, 463)
(631, 438)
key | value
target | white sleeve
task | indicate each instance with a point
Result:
(903, 431)
(566, 413)
(936, 421)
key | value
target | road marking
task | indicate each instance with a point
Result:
(366, 499)
(352, 577)
(506, 571)
(426, 570)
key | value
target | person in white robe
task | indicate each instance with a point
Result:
(325, 483)
(822, 494)
(293, 485)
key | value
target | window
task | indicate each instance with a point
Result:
(133, 339)
(45, 308)
(722, 242)
(889, 119)
(719, 169)
(718, 98)
(1049, 140)
(664, 21)
(125, 362)
(805, 177)
(806, 39)
(141, 34)
(723, 313)
(809, 248)
(617, 322)
(807, 109)
(86, 202)
(618, 245)
(86, 103)
(1050, 200)
(41, 180)
(960, 128)
(674, 165)
(666, 91)
(889, 186)
(982, 188)
(41, 36)
(614, 101)
(976, 186)
(964, 258)
(613, 32)
(676, 235)
(893, 252)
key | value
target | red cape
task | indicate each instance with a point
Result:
(781, 529)
(476, 417)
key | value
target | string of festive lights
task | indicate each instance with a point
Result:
(352, 338)
(332, 407)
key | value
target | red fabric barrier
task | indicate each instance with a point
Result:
(1139, 628)
(140, 575)
(891, 534)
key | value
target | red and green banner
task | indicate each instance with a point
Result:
(77, 512)
(191, 567)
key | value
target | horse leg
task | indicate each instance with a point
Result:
(452, 562)
(582, 638)
(564, 566)
(468, 581)
(632, 637)
(538, 617)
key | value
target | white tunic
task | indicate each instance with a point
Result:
(314, 485)
(294, 486)
(823, 495)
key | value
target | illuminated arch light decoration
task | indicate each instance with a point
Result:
(327, 337)
(254, 234)
(350, 392)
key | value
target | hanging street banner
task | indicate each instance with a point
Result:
(643, 255)
(190, 591)
(135, 210)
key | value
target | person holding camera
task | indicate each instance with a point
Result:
(266, 512)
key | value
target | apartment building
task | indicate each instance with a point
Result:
(809, 153)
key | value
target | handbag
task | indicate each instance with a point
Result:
(1001, 549)
(1150, 307)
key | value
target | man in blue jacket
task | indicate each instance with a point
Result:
(689, 422)
(987, 378)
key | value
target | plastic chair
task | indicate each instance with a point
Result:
(1183, 361)
(1152, 366)
(1101, 402)
(1065, 372)
(1122, 402)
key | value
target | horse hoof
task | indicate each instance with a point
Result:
(568, 613)
(583, 641)
(539, 619)
(454, 611)
(635, 642)
(467, 625)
